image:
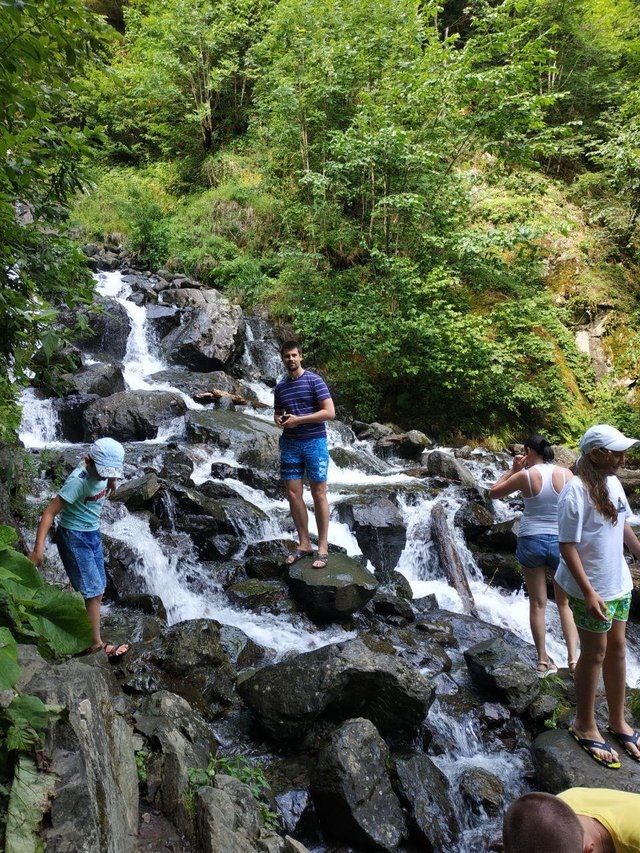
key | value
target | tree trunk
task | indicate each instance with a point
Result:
(450, 559)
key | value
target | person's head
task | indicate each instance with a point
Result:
(105, 458)
(291, 354)
(541, 823)
(540, 446)
(603, 448)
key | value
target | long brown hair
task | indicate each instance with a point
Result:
(592, 470)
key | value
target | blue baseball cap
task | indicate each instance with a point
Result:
(107, 455)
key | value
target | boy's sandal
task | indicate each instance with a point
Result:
(322, 560)
(545, 668)
(627, 740)
(298, 554)
(91, 650)
(590, 746)
(115, 651)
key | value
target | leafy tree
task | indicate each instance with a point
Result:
(43, 45)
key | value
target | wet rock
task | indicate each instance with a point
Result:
(354, 457)
(227, 817)
(131, 415)
(121, 562)
(162, 319)
(499, 569)
(107, 330)
(441, 464)
(482, 791)
(265, 560)
(497, 667)
(352, 791)
(338, 590)
(134, 494)
(210, 334)
(473, 517)
(147, 603)
(501, 537)
(259, 595)
(180, 739)
(413, 646)
(379, 529)
(399, 585)
(261, 357)
(71, 411)
(562, 764)
(387, 605)
(413, 444)
(296, 809)
(103, 380)
(95, 806)
(425, 789)
(197, 383)
(335, 683)
(255, 441)
(177, 467)
(242, 651)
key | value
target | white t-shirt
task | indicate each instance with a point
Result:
(598, 541)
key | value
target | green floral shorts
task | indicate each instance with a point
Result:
(618, 610)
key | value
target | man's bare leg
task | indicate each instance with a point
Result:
(321, 509)
(299, 512)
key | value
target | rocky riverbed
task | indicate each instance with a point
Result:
(391, 700)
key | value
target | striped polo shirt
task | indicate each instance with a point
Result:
(302, 396)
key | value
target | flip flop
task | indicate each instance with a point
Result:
(298, 554)
(589, 745)
(112, 650)
(323, 559)
(624, 741)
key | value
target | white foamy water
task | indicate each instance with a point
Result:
(39, 427)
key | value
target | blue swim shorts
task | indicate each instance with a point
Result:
(83, 561)
(310, 456)
(536, 551)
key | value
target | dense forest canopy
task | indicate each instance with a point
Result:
(435, 195)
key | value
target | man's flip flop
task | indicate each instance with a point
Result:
(590, 745)
(626, 740)
(323, 559)
(298, 554)
(115, 651)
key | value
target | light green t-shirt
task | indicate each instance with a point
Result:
(83, 497)
(617, 811)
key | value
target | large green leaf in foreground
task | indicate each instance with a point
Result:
(9, 668)
(60, 618)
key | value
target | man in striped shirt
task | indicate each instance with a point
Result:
(302, 404)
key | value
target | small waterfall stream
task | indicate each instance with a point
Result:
(171, 568)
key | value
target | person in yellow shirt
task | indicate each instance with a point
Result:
(579, 820)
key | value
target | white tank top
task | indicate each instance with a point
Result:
(540, 514)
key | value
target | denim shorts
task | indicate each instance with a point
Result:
(83, 561)
(617, 610)
(300, 457)
(536, 551)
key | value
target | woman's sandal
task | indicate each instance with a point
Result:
(545, 668)
(572, 667)
(626, 740)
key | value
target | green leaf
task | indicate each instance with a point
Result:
(21, 567)
(10, 670)
(21, 737)
(28, 803)
(7, 536)
(60, 618)
(32, 711)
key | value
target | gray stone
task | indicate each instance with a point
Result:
(379, 528)
(107, 329)
(99, 379)
(482, 791)
(352, 791)
(134, 494)
(441, 464)
(131, 415)
(413, 444)
(497, 667)
(216, 823)
(425, 788)
(340, 589)
(337, 682)
(91, 752)
(255, 441)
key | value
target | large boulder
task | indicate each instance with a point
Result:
(379, 529)
(441, 464)
(99, 379)
(210, 334)
(425, 788)
(196, 383)
(70, 410)
(131, 415)
(352, 791)
(95, 806)
(332, 593)
(498, 668)
(561, 763)
(337, 682)
(106, 330)
(254, 441)
(261, 355)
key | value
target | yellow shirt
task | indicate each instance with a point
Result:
(617, 811)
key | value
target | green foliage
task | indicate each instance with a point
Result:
(242, 768)
(142, 756)
(43, 46)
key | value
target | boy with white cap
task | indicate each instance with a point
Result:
(79, 503)
(593, 530)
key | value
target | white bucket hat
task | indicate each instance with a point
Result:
(608, 437)
(107, 455)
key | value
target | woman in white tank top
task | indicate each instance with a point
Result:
(540, 482)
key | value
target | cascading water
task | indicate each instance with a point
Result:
(168, 565)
